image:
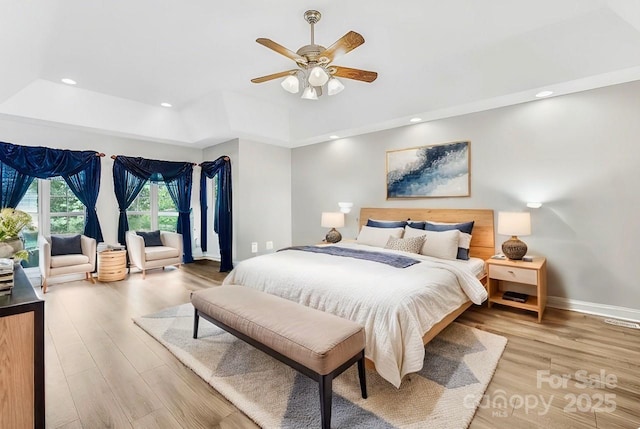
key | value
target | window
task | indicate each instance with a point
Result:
(66, 212)
(153, 209)
(167, 213)
(29, 204)
(139, 212)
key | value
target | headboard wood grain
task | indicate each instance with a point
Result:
(482, 239)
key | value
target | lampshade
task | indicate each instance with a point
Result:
(332, 220)
(310, 93)
(291, 84)
(317, 76)
(514, 223)
(334, 86)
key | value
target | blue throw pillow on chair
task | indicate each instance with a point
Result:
(150, 238)
(66, 245)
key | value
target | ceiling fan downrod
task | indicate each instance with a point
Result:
(312, 16)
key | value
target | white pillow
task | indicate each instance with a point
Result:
(439, 244)
(378, 237)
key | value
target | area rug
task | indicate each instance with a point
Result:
(458, 366)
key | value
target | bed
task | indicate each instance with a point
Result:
(401, 309)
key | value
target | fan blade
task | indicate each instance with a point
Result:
(282, 50)
(273, 76)
(355, 74)
(346, 43)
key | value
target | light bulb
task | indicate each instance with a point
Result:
(291, 84)
(318, 76)
(334, 86)
(310, 93)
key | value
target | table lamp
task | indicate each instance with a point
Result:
(332, 220)
(514, 224)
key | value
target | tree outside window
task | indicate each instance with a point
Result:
(65, 209)
(139, 212)
(167, 213)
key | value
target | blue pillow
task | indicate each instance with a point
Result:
(66, 245)
(416, 225)
(464, 241)
(387, 223)
(151, 239)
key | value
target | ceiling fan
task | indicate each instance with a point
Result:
(314, 64)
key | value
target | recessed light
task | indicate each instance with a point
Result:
(165, 104)
(415, 119)
(544, 94)
(68, 81)
(334, 136)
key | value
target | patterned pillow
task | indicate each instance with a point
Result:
(410, 245)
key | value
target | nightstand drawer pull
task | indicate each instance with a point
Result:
(519, 275)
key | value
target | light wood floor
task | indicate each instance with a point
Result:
(103, 371)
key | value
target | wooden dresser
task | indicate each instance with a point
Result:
(21, 356)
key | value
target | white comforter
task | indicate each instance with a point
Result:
(395, 305)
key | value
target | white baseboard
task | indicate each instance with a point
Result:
(613, 311)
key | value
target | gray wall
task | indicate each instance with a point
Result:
(264, 212)
(577, 154)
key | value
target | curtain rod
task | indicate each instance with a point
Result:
(115, 156)
(100, 154)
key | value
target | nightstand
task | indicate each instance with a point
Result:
(529, 274)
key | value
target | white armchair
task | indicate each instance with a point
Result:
(51, 266)
(170, 253)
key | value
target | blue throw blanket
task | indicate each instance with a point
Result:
(397, 261)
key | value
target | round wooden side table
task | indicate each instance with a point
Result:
(112, 265)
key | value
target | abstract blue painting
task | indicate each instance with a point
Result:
(440, 170)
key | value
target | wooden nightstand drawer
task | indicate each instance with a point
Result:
(519, 275)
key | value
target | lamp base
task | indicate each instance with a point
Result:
(333, 236)
(514, 248)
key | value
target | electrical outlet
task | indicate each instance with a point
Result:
(269, 245)
(254, 247)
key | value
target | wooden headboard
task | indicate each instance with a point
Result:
(482, 239)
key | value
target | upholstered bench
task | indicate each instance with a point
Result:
(317, 344)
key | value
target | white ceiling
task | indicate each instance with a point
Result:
(434, 59)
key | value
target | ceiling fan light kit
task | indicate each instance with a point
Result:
(291, 84)
(334, 86)
(313, 64)
(310, 93)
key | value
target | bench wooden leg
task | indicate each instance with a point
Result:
(196, 319)
(362, 376)
(326, 393)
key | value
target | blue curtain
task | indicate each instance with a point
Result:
(14, 186)
(130, 175)
(180, 191)
(85, 185)
(126, 186)
(80, 169)
(220, 170)
(44, 162)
